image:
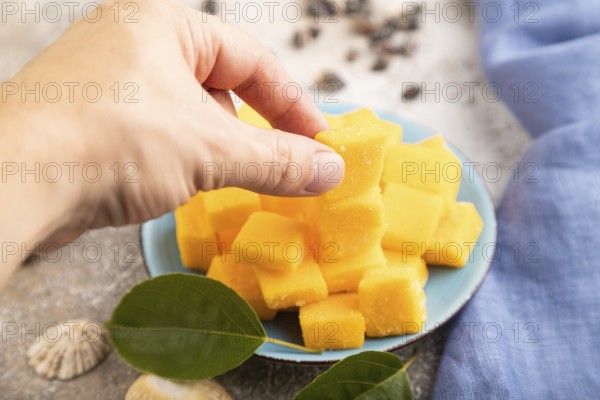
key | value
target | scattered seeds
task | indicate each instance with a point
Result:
(385, 36)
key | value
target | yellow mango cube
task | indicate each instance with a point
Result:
(362, 146)
(247, 114)
(412, 217)
(334, 323)
(332, 245)
(363, 211)
(343, 274)
(271, 241)
(229, 208)
(285, 289)
(434, 142)
(241, 278)
(409, 262)
(392, 301)
(195, 238)
(432, 170)
(455, 236)
(294, 207)
(393, 131)
(225, 240)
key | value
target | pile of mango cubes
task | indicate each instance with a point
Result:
(352, 262)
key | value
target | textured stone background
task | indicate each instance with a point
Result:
(63, 288)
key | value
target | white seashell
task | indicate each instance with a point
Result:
(70, 349)
(152, 387)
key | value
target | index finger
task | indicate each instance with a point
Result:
(235, 61)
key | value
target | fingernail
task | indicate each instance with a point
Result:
(328, 171)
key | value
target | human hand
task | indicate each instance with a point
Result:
(183, 62)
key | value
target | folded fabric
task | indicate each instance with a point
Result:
(533, 329)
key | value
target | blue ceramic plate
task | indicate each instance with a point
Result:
(447, 290)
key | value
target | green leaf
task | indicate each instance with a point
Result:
(184, 326)
(370, 375)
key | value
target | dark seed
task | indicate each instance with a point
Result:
(382, 33)
(210, 7)
(315, 32)
(313, 8)
(330, 82)
(323, 8)
(351, 55)
(353, 6)
(300, 39)
(331, 8)
(410, 92)
(380, 64)
(363, 24)
(393, 23)
(356, 6)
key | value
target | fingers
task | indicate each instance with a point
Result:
(273, 162)
(223, 97)
(242, 64)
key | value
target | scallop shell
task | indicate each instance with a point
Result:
(69, 349)
(152, 387)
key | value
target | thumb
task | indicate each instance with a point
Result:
(275, 162)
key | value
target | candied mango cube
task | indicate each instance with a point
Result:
(392, 301)
(409, 262)
(455, 236)
(229, 208)
(412, 217)
(271, 241)
(294, 207)
(392, 131)
(363, 211)
(285, 289)
(247, 114)
(362, 148)
(196, 240)
(433, 170)
(334, 323)
(241, 278)
(343, 274)
(225, 240)
(345, 243)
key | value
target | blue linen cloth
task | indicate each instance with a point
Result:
(546, 297)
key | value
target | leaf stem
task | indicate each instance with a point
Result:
(294, 346)
(412, 358)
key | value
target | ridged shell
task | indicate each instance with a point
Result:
(152, 387)
(69, 350)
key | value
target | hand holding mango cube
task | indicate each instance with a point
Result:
(354, 259)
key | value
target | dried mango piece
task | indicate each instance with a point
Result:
(392, 301)
(333, 323)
